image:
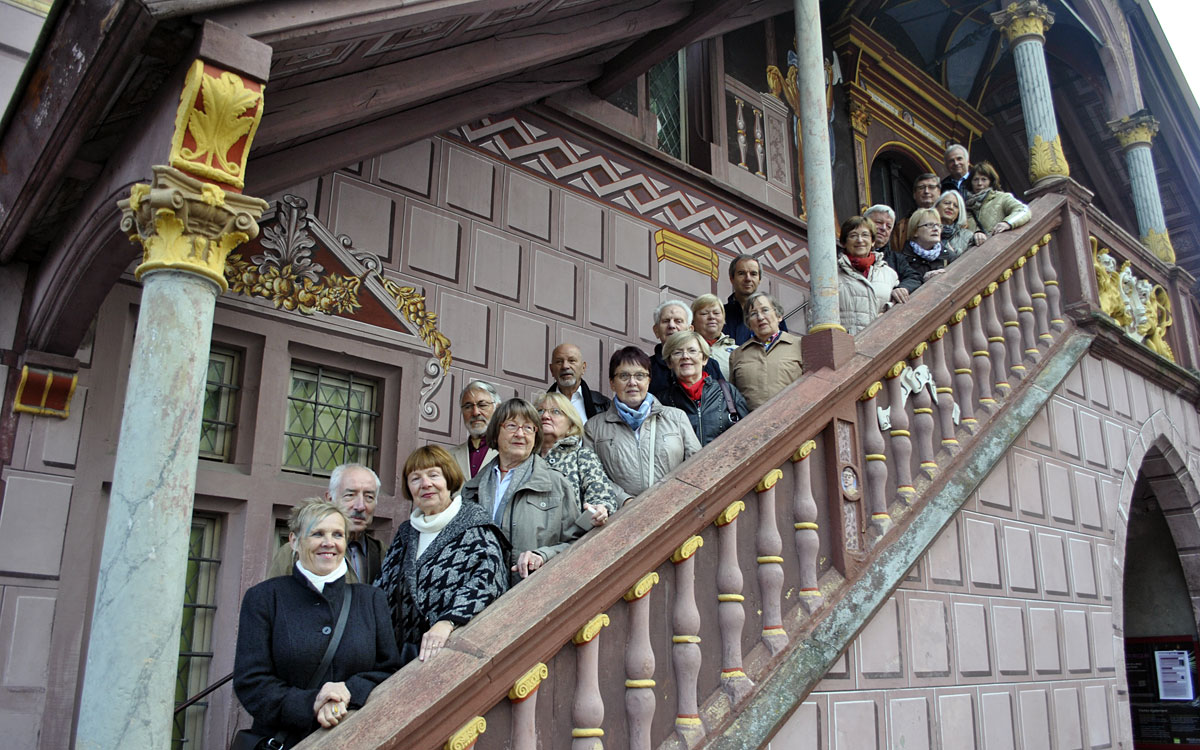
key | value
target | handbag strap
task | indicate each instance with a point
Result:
(343, 616)
(728, 400)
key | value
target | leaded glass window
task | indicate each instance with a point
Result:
(664, 84)
(196, 633)
(332, 419)
(219, 420)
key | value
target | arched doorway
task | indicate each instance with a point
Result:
(893, 173)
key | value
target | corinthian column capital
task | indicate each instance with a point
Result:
(1024, 20)
(1140, 127)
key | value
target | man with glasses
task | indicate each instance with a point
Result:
(567, 368)
(926, 190)
(477, 401)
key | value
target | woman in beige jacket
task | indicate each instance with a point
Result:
(770, 361)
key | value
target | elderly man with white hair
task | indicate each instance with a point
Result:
(478, 399)
(884, 218)
(958, 164)
(670, 317)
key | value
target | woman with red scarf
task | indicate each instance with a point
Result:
(865, 281)
(711, 405)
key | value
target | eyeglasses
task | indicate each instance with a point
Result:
(760, 313)
(480, 405)
(928, 224)
(512, 428)
(637, 377)
(860, 236)
(690, 352)
(555, 412)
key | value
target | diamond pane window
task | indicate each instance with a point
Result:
(219, 420)
(664, 85)
(196, 633)
(331, 419)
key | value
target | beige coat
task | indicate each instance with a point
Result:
(998, 206)
(760, 374)
(632, 463)
(862, 298)
(462, 454)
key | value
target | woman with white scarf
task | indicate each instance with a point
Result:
(924, 250)
(447, 561)
(638, 440)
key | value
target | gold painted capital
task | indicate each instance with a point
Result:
(872, 391)
(975, 302)
(687, 549)
(528, 682)
(940, 333)
(990, 289)
(686, 252)
(467, 735)
(591, 630)
(1160, 244)
(919, 350)
(1135, 129)
(1046, 159)
(768, 481)
(184, 224)
(804, 450)
(959, 316)
(730, 513)
(218, 115)
(642, 587)
(895, 370)
(1025, 19)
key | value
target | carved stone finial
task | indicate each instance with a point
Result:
(1024, 19)
(1136, 129)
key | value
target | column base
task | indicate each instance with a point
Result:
(828, 348)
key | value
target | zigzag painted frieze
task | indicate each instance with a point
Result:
(526, 142)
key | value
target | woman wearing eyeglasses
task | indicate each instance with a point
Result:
(639, 440)
(533, 505)
(770, 361)
(865, 279)
(711, 405)
(564, 451)
(924, 250)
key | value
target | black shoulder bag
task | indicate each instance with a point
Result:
(247, 740)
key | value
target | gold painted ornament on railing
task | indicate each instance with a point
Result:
(467, 735)
(1139, 306)
(527, 683)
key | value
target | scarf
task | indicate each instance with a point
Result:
(930, 254)
(975, 200)
(429, 526)
(948, 231)
(634, 417)
(319, 582)
(863, 263)
(769, 342)
(695, 389)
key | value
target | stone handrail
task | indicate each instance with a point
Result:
(973, 329)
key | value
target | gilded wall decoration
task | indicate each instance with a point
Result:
(1139, 306)
(218, 115)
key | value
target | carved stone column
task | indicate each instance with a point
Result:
(1135, 134)
(1025, 24)
(187, 221)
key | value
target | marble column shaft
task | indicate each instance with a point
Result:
(1147, 203)
(1033, 82)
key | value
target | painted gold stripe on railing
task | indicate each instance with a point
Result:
(768, 559)
(595, 732)
(900, 433)
(805, 526)
(923, 410)
(636, 684)
(876, 457)
(730, 598)
(685, 639)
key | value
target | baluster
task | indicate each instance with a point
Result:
(588, 710)
(995, 338)
(524, 707)
(947, 408)
(1012, 327)
(759, 150)
(901, 437)
(876, 468)
(685, 649)
(981, 359)
(964, 379)
(1050, 281)
(1037, 293)
(770, 564)
(731, 614)
(467, 735)
(922, 421)
(804, 511)
(741, 132)
(639, 665)
(1020, 292)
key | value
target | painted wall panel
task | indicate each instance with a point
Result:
(32, 522)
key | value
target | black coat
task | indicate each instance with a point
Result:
(593, 402)
(712, 416)
(283, 631)
(910, 278)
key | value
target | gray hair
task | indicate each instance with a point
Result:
(335, 479)
(770, 298)
(962, 207)
(480, 385)
(956, 147)
(687, 310)
(879, 208)
(680, 339)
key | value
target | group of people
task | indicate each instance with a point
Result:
(882, 262)
(339, 613)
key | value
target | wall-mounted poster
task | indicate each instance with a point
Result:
(1162, 697)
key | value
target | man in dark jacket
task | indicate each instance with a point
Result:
(958, 165)
(669, 317)
(745, 274)
(883, 217)
(567, 368)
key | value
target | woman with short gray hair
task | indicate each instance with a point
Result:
(770, 361)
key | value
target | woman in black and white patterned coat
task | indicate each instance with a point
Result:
(563, 449)
(447, 561)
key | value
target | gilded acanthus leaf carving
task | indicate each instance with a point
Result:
(222, 123)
